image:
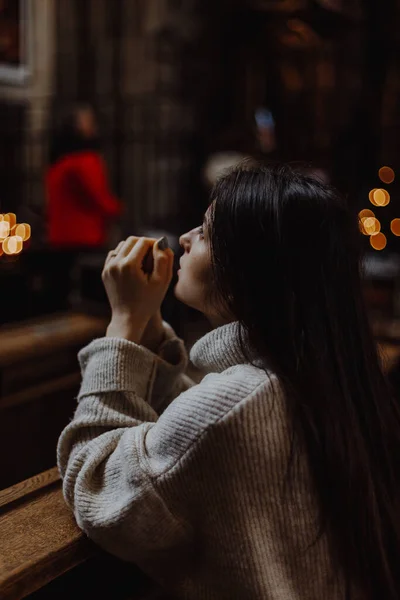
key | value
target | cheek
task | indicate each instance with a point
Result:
(200, 271)
(195, 281)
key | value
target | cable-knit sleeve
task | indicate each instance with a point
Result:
(100, 453)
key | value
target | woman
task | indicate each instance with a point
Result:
(277, 477)
(81, 206)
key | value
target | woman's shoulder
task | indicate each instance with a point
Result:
(241, 380)
(239, 386)
(219, 400)
(219, 394)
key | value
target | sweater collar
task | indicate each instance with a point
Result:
(221, 349)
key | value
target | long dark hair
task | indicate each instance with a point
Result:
(286, 262)
(66, 138)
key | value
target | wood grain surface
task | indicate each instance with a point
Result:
(26, 489)
(39, 539)
(36, 338)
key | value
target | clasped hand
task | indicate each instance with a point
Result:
(135, 295)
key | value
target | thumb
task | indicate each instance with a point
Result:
(163, 260)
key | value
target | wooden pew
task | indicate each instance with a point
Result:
(39, 539)
(39, 381)
(43, 554)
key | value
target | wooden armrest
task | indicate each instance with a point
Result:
(39, 539)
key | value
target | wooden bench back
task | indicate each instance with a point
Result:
(43, 554)
(39, 382)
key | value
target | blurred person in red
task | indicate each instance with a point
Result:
(81, 207)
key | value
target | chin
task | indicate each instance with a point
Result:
(177, 293)
(180, 295)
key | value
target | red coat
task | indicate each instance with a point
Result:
(80, 203)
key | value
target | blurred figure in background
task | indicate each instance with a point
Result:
(81, 206)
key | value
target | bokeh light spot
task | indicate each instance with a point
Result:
(23, 230)
(13, 245)
(371, 225)
(11, 218)
(378, 242)
(371, 197)
(386, 174)
(395, 227)
(12, 234)
(4, 229)
(365, 213)
(381, 197)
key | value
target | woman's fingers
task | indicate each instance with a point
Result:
(133, 251)
(114, 253)
(128, 245)
(138, 252)
(123, 250)
(163, 263)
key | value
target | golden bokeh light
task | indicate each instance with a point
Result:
(378, 242)
(13, 245)
(386, 174)
(371, 197)
(381, 197)
(11, 218)
(365, 213)
(371, 226)
(4, 230)
(395, 227)
(12, 234)
(23, 230)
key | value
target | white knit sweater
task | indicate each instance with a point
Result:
(193, 491)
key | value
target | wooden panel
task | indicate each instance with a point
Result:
(30, 424)
(39, 539)
(39, 338)
(16, 378)
(39, 382)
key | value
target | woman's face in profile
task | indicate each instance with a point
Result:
(194, 286)
(194, 275)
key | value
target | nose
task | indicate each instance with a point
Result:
(184, 241)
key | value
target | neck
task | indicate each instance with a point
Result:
(219, 320)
